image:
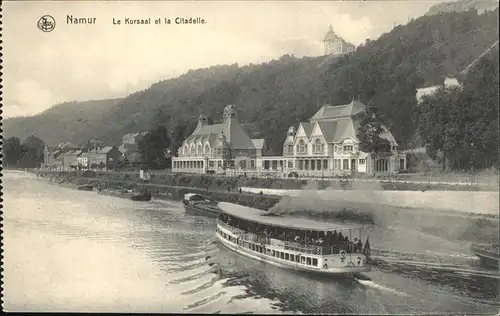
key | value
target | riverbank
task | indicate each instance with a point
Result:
(222, 183)
(162, 191)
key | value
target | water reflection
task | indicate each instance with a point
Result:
(71, 250)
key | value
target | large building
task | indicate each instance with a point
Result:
(214, 148)
(335, 45)
(323, 147)
(327, 145)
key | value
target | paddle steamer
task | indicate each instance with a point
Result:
(294, 243)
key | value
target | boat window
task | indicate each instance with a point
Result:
(308, 261)
(277, 254)
(297, 258)
(292, 257)
(303, 259)
(315, 262)
(282, 256)
(287, 256)
(273, 253)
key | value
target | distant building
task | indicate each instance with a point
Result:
(428, 91)
(214, 148)
(335, 45)
(52, 158)
(130, 147)
(70, 159)
(103, 156)
(327, 145)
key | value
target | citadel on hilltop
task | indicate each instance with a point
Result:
(336, 45)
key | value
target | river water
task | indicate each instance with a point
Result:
(68, 250)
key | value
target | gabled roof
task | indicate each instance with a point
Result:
(331, 35)
(105, 150)
(236, 136)
(328, 129)
(74, 152)
(308, 127)
(258, 143)
(327, 112)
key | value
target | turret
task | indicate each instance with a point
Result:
(230, 112)
(202, 121)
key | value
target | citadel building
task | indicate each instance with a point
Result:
(335, 45)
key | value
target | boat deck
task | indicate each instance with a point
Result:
(259, 216)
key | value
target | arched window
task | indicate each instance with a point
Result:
(198, 150)
(318, 146)
(207, 149)
(302, 146)
(192, 150)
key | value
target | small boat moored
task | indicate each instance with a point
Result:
(200, 204)
(144, 196)
(86, 187)
(294, 243)
(489, 254)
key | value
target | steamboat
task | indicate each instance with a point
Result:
(294, 243)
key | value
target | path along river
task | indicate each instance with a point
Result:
(81, 251)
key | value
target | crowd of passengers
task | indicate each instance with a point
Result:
(326, 240)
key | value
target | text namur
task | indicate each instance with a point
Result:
(70, 19)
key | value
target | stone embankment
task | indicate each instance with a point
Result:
(221, 183)
(162, 190)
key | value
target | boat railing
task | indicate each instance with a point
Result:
(232, 229)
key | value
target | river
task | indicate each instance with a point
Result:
(68, 250)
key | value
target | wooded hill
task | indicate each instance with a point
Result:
(275, 95)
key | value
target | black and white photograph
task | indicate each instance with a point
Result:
(264, 157)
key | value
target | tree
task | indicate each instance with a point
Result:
(12, 151)
(153, 147)
(32, 152)
(462, 123)
(369, 130)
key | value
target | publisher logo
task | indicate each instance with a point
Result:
(46, 23)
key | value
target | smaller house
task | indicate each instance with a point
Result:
(102, 157)
(83, 160)
(70, 159)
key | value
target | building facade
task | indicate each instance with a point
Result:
(215, 148)
(327, 146)
(335, 45)
(103, 157)
(323, 147)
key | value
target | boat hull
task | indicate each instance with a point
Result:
(488, 258)
(288, 265)
(141, 198)
(201, 209)
(85, 188)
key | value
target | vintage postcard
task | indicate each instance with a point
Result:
(233, 157)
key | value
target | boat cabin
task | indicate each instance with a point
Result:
(193, 198)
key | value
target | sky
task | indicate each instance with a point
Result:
(106, 60)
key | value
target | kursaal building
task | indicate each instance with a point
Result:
(325, 146)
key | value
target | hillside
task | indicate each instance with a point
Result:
(275, 95)
(73, 121)
(463, 5)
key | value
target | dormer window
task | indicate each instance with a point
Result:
(348, 148)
